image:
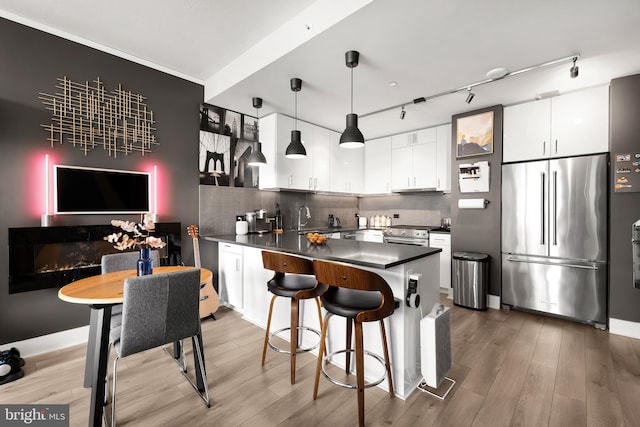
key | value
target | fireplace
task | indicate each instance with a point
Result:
(51, 257)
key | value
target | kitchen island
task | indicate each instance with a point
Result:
(242, 286)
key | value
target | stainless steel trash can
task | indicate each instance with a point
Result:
(470, 279)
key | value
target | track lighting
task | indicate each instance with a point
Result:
(295, 149)
(492, 76)
(402, 113)
(470, 96)
(573, 71)
(256, 158)
(352, 137)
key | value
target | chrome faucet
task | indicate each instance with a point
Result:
(307, 216)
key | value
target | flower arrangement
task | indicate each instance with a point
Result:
(141, 234)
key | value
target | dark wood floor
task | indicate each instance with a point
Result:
(511, 368)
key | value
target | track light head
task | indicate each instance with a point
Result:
(573, 71)
(402, 113)
(470, 96)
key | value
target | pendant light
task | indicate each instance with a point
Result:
(352, 137)
(295, 149)
(256, 158)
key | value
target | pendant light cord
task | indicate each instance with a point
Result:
(351, 90)
(295, 116)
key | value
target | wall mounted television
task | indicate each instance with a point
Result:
(83, 190)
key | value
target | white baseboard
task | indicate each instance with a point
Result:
(493, 301)
(51, 342)
(625, 328)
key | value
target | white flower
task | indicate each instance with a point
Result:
(140, 238)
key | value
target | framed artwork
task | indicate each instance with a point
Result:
(249, 128)
(226, 143)
(211, 118)
(475, 132)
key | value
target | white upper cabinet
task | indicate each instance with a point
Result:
(580, 122)
(311, 173)
(377, 166)
(414, 161)
(293, 173)
(422, 136)
(567, 125)
(443, 137)
(346, 167)
(527, 131)
(267, 128)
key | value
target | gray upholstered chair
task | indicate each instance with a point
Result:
(118, 262)
(160, 309)
(109, 263)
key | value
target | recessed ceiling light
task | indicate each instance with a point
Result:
(393, 83)
(497, 73)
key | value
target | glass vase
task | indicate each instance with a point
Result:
(145, 264)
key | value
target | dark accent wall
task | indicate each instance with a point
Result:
(624, 299)
(31, 62)
(478, 230)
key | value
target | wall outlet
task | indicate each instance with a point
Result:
(396, 216)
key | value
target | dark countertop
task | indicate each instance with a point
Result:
(368, 254)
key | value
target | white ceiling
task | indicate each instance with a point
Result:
(240, 49)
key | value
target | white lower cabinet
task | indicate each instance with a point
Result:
(231, 275)
(443, 241)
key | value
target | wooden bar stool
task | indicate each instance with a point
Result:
(293, 279)
(359, 296)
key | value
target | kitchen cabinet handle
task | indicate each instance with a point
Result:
(237, 264)
(315, 183)
(542, 204)
(544, 147)
(555, 207)
(556, 146)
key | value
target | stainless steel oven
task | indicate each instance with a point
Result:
(407, 235)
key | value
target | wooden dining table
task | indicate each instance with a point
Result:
(101, 292)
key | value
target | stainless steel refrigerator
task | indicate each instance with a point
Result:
(554, 237)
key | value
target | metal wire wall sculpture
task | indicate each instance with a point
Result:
(88, 117)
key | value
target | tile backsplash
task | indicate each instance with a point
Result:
(220, 205)
(412, 209)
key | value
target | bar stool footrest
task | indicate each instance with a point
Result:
(329, 356)
(299, 349)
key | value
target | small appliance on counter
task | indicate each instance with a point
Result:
(257, 222)
(242, 227)
(334, 221)
(445, 223)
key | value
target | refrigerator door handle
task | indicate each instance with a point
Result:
(555, 208)
(542, 203)
(559, 264)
